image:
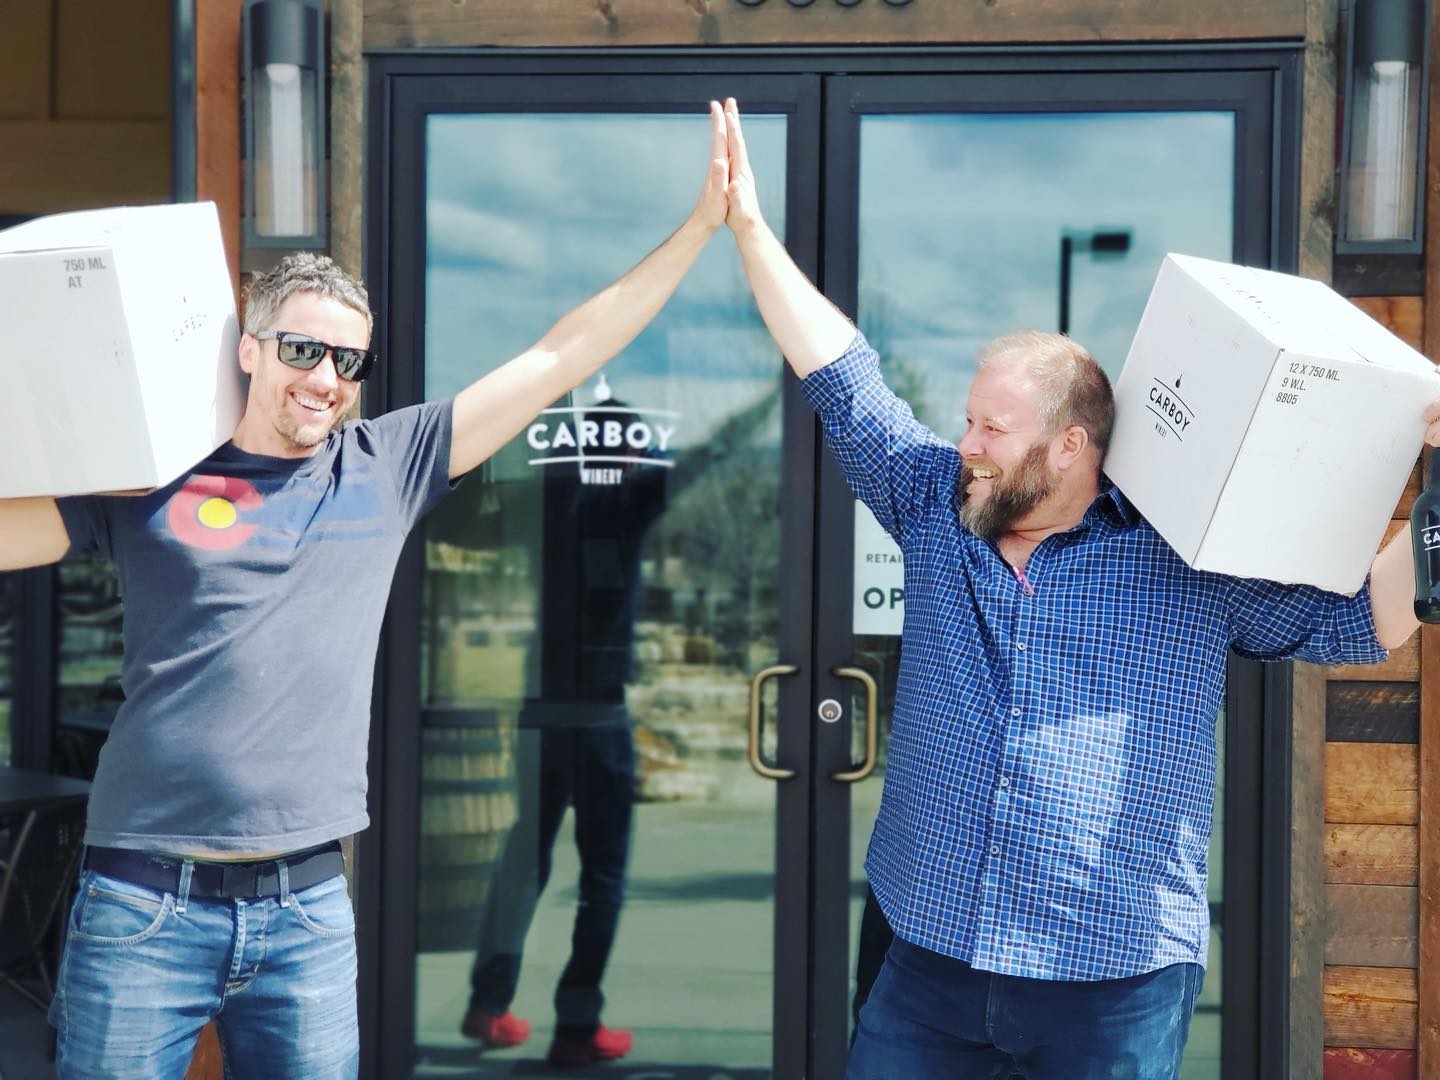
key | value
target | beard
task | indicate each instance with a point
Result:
(1012, 495)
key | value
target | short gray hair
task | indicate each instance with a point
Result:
(302, 272)
(1074, 389)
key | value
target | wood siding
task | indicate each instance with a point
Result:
(610, 23)
(84, 105)
(1378, 764)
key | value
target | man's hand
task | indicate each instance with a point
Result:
(744, 203)
(711, 207)
(1432, 417)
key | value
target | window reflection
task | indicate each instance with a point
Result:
(594, 607)
(89, 613)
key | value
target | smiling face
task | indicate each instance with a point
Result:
(289, 411)
(1006, 471)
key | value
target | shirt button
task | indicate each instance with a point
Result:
(1020, 645)
(995, 849)
(1015, 711)
(1004, 781)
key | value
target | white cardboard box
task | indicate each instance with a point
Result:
(119, 365)
(1265, 425)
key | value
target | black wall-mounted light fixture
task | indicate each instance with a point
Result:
(1382, 162)
(285, 124)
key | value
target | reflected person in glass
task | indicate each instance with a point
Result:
(574, 748)
(1040, 850)
(255, 585)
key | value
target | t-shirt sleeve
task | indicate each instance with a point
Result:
(414, 445)
(1269, 621)
(87, 522)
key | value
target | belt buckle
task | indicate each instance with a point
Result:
(240, 881)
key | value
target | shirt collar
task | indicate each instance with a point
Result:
(1111, 506)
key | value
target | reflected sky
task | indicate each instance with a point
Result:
(960, 221)
(961, 218)
(528, 215)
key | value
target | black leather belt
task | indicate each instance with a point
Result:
(219, 880)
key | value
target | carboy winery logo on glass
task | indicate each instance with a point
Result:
(605, 440)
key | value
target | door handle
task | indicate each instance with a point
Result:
(866, 767)
(770, 772)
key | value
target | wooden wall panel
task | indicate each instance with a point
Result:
(1373, 1007)
(25, 60)
(1371, 784)
(1403, 666)
(112, 60)
(1373, 712)
(1371, 925)
(1429, 929)
(70, 166)
(1404, 315)
(1350, 1063)
(724, 22)
(1372, 854)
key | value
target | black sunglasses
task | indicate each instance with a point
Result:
(299, 351)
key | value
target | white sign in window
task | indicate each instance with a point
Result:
(879, 578)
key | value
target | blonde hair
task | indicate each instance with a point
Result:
(1074, 389)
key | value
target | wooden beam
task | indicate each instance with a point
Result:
(1371, 925)
(1370, 1007)
(1372, 855)
(55, 165)
(1309, 762)
(1372, 784)
(347, 135)
(1429, 766)
(722, 22)
(217, 120)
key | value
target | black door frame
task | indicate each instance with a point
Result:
(399, 281)
(1254, 993)
(404, 85)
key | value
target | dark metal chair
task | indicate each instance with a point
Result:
(37, 872)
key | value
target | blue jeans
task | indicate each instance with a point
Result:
(593, 770)
(933, 1016)
(144, 971)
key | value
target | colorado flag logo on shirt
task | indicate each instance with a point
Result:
(205, 512)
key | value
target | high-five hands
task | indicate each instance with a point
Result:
(710, 208)
(744, 210)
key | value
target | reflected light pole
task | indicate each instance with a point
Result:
(1100, 243)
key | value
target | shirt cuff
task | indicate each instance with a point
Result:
(836, 382)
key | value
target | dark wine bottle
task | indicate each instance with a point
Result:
(1425, 533)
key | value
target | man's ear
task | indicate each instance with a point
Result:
(249, 354)
(1074, 441)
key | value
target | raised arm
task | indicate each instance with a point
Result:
(32, 533)
(494, 409)
(810, 330)
(1392, 574)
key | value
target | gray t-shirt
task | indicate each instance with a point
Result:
(254, 590)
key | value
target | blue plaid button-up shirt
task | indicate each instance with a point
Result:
(1047, 805)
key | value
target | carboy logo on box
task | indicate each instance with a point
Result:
(1174, 416)
(605, 440)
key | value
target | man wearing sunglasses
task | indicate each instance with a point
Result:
(254, 590)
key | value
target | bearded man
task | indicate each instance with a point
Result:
(1041, 843)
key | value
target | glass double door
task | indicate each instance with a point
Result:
(639, 668)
